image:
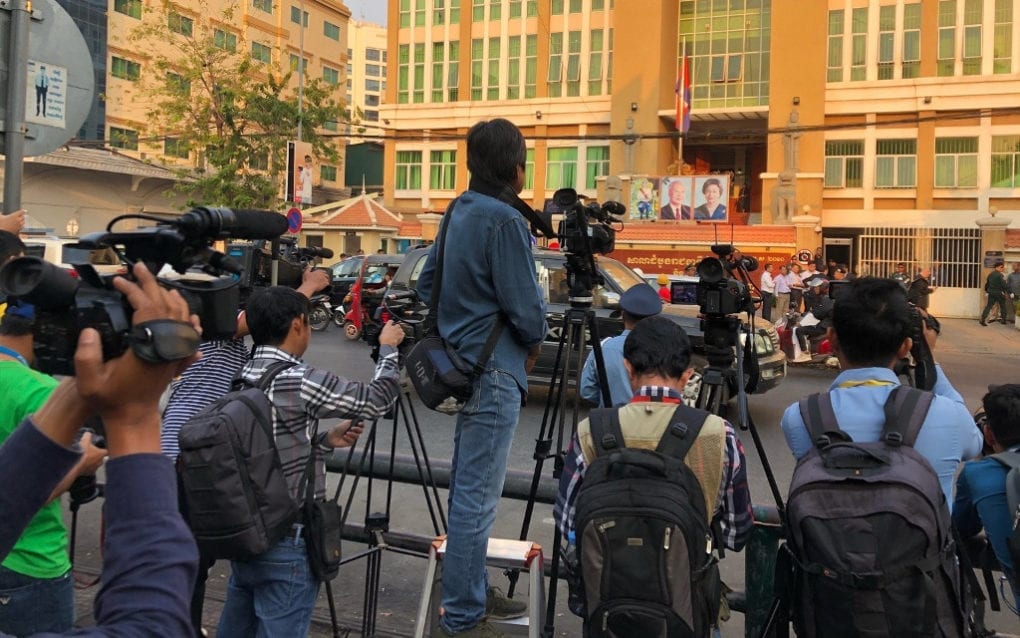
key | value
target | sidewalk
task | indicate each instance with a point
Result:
(968, 336)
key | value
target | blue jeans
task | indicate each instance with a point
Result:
(35, 605)
(485, 430)
(271, 595)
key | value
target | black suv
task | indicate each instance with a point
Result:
(618, 277)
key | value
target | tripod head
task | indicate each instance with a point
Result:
(582, 277)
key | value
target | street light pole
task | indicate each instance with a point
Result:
(17, 84)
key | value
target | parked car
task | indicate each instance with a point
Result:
(606, 303)
(63, 252)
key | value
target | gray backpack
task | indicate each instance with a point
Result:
(870, 547)
(234, 494)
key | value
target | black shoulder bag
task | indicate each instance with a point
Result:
(323, 521)
(443, 380)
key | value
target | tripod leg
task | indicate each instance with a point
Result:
(554, 576)
(428, 482)
(332, 609)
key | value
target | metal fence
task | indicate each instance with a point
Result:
(954, 254)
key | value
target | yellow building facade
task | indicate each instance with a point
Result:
(308, 33)
(880, 130)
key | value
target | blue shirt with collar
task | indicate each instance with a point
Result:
(619, 384)
(947, 437)
(488, 274)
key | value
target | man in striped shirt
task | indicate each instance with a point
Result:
(204, 382)
(274, 594)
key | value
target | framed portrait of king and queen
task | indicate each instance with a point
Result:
(691, 198)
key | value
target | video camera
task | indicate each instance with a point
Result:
(924, 361)
(65, 304)
(719, 292)
(256, 258)
(586, 230)
(404, 307)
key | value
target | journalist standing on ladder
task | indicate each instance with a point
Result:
(489, 276)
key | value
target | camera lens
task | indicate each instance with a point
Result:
(38, 282)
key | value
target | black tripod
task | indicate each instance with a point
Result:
(377, 524)
(577, 330)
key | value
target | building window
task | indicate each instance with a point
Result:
(418, 90)
(557, 7)
(174, 147)
(125, 69)
(372, 69)
(595, 62)
(263, 5)
(403, 71)
(513, 70)
(224, 40)
(575, 6)
(453, 74)
(1002, 46)
(972, 10)
(373, 85)
(178, 84)
(330, 125)
(438, 57)
(530, 66)
(729, 47)
(912, 40)
(561, 168)
(372, 55)
(896, 163)
(332, 31)
(956, 162)
(574, 63)
(371, 116)
(331, 76)
(181, 23)
(438, 12)
(859, 45)
(477, 10)
(404, 13)
(946, 54)
(495, 9)
(532, 8)
(371, 100)
(261, 52)
(477, 48)
(844, 164)
(408, 168)
(556, 61)
(1006, 161)
(327, 173)
(835, 64)
(123, 138)
(515, 8)
(299, 65)
(299, 17)
(443, 170)
(886, 42)
(132, 8)
(492, 93)
(258, 162)
(529, 170)
(596, 165)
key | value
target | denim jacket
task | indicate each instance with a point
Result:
(488, 273)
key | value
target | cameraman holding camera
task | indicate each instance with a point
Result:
(870, 334)
(488, 279)
(35, 577)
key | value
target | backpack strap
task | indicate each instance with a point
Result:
(684, 427)
(270, 374)
(905, 411)
(1012, 461)
(606, 433)
(820, 420)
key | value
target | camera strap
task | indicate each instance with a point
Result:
(497, 328)
(14, 354)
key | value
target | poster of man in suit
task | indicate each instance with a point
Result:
(676, 199)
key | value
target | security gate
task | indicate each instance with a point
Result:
(953, 254)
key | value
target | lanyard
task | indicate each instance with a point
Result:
(866, 382)
(14, 354)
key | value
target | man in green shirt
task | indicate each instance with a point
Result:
(36, 590)
(997, 290)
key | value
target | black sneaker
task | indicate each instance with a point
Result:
(499, 607)
(982, 322)
(481, 630)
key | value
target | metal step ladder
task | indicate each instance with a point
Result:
(501, 553)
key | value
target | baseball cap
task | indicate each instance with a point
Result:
(641, 301)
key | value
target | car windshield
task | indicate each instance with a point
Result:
(624, 277)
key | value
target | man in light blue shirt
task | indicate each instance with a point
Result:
(870, 335)
(636, 303)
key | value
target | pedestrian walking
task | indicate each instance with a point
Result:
(995, 286)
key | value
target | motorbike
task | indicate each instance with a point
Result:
(321, 312)
(821, 349)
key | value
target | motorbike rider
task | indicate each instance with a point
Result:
(817, 319)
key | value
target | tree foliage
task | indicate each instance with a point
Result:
(232, 112)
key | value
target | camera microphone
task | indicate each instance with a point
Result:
(319, 251)
(223, 223)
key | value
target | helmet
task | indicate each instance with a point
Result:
(663, 280)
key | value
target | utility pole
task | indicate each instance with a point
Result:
(14, 124)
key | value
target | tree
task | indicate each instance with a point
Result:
(211, 98)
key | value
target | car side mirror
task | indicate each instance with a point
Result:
(612, 300)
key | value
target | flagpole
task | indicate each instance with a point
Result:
(683, 106)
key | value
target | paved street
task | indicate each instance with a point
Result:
(973, 356)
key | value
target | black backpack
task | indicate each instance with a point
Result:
(870, 549)
(1012, 461)
(646, 552)
(233, 490)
